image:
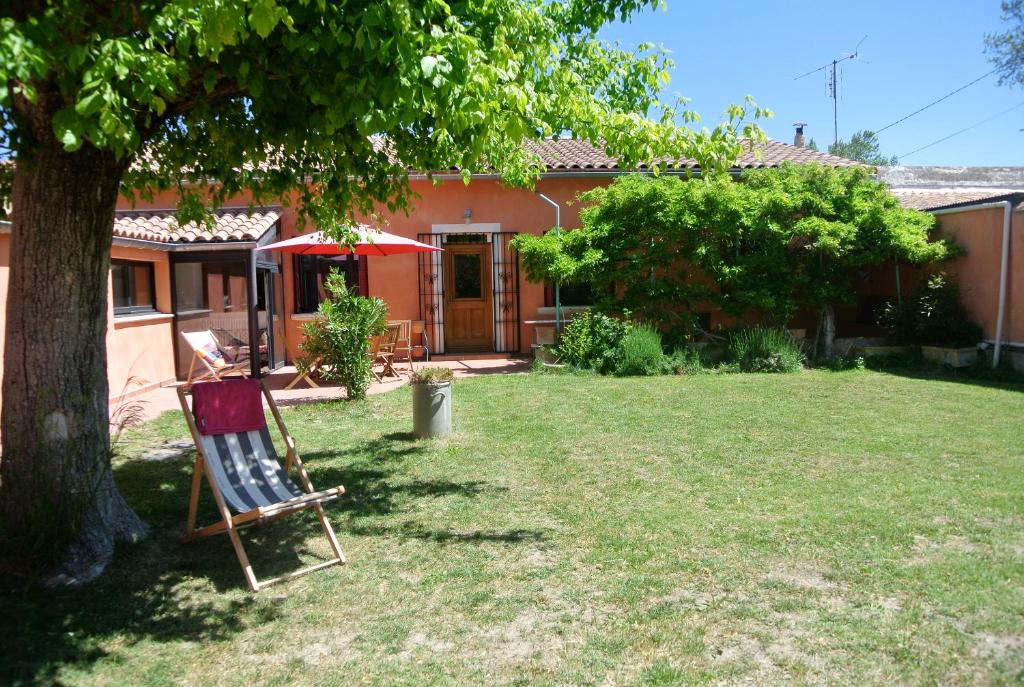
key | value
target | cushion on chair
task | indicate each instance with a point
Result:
(217, 357)
(228, 406)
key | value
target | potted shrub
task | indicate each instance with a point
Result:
(431, 402)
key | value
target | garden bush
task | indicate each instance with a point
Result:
(933, 316)
(592, 341)
(340, 336)
(685, 361)
(764, 349)
(842, 363)
(640, 352)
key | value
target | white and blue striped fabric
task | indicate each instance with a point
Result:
(247, 470)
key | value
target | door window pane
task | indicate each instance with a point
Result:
(466, 275)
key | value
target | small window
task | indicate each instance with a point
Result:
(467, 276)
(134, 287)
(311, 275)
(570, 295)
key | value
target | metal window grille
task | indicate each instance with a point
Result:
(505, 283)
(431, 285)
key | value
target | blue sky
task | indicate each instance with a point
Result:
(915, 52)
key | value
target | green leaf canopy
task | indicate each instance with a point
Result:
(337, 101)
(779, 240)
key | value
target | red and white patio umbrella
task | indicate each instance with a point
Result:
(369, 241)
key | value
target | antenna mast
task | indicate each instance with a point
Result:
(833, 86)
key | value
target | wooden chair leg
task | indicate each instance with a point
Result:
(193, 500)
(243, 560)
(329, 531)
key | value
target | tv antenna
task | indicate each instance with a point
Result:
(833, 84)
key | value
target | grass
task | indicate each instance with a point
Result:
(840, 528)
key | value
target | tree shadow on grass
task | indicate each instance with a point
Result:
(446, 536)
(1002, 379)
(148, 593)
(376, 487)
(159, 590)
(164, 591)
(375, 480)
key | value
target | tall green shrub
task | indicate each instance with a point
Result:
(340, 335)
(591, 341)
(784, 239)
(640, 352)
(764, 349)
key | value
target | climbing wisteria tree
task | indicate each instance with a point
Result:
(331, 101)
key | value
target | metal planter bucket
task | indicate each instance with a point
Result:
(432, 410)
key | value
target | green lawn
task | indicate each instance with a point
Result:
(840, 528)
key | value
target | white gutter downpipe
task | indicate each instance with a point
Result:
(1004, 264)
(558, 295)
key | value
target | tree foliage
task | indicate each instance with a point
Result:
(1006, 49)
(863, 146)
(264, 95)
(781, 240)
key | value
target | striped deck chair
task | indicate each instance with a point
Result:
(235, 453)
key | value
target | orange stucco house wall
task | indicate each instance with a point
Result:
(142, 348)
(980, 232)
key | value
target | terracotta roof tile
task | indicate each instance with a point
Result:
(162, 226)
(567, 155)
(935, 198)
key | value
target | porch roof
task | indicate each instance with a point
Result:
(161, 226)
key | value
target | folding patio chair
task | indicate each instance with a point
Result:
(235, 453)
(419, 328)
(208, 351)
(403, 345)
(382, 352)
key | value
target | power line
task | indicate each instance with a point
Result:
(934, 102)
(966, 128)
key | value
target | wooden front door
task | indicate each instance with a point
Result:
(468, 316)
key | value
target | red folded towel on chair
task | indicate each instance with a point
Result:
(228, 406)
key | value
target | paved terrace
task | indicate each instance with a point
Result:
(157, 401)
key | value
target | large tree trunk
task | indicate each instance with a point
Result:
(57, 493)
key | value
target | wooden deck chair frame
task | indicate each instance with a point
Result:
(212, 372)
(232, 523)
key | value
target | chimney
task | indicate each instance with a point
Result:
(798, 139)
